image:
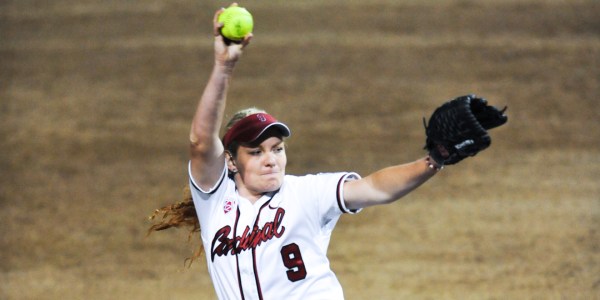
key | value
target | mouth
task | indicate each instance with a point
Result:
(270, 173)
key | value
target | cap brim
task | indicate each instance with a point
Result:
(283, 129)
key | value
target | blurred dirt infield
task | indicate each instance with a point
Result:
(96, 98)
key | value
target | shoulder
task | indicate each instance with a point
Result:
(223, 187)
(318, 181)
(311, 178)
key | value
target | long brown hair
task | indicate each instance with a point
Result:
(176, 215)
(183, 213)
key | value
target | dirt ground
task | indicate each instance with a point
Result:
(96, 98)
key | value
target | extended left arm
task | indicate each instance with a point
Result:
(458, 129)
(388, 184)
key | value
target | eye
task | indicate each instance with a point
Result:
(278, 149)
(254, 152)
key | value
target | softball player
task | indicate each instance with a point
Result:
(265, 233)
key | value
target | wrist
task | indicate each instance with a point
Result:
(224, 67)
(432, 164)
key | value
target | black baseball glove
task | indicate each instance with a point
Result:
(458, 129)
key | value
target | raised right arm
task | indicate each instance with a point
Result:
(206, 150)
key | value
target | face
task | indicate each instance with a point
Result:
(260, 168)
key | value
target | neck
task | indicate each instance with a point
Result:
(246, 193)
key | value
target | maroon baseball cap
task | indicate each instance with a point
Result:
(250, 128)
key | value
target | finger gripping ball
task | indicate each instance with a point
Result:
(237, 22)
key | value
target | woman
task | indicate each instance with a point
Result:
(266, 233)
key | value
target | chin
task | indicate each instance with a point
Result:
(273, 185)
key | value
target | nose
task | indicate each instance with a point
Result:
(270, 159)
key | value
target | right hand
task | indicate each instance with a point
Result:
(227, 53)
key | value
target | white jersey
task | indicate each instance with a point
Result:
(275, 248)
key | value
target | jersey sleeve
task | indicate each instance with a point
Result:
(340, 193)
(206, 202)
(213, 188)
(330, 195)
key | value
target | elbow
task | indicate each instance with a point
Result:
(368, 202)
(387, 199)
(196, 140)
(204, 146)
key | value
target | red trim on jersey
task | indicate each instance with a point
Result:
(254, 264)
(215, 188)
(237, 262)
(339, 196)
(256, 279)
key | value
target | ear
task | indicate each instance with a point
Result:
(230, 162)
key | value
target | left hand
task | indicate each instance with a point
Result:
(458, 129)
